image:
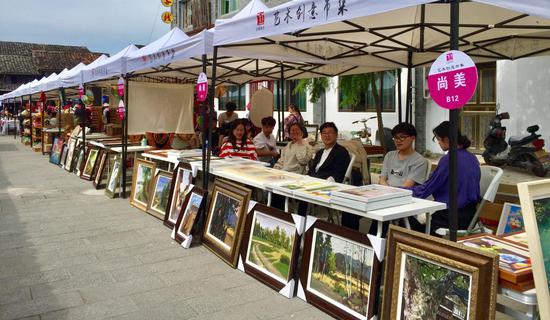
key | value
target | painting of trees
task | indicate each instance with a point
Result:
(341, 271)
(542, 212)
(430, 289)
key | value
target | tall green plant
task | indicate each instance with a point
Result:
(353, 86)
(315, 86)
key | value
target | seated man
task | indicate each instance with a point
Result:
(265, 141)
(329, 163)
(403, 167)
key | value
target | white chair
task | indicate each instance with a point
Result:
(488, 186)
(347, 177)
(428, 169)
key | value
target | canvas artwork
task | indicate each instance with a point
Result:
(142, 183)
(158, 203)
(511, 219)
(57, 148)
(224, 221)
(183, 177)
(535, 203)
(78, 162)
(70, 154)
(64, 156)
(432, 278)
(100, 170)
(87, 172)
(520, 238)
(340, 271)
(193, 205)
(114, 177)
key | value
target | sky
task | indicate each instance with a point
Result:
(105, 26)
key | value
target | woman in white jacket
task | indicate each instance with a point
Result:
(297, 153)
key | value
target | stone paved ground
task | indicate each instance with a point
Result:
(69, 252)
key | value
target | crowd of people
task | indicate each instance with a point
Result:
(403, 167)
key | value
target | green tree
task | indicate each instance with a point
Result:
(315, 86)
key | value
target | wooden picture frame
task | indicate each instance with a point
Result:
(312, 131)
(99, 173)
(511, 219)
(260, 247)
(225, 220)
(462, 279)
(181, 181)
(187, 218)
(142, 183)
(534, 197)
(515, 270)
(70, 154)
(88, 168)
(316, 282)
(64, 156)
(79, 161)
(160, 194)
(113, 182)
(57, 149)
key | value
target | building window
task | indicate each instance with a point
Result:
(187, 13)
(227, 6)
(385, 85)
(233, 94)
(298, 99)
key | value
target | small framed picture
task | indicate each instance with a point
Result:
(100, 171)
(432, 278)
(64, 156)
(182, 179)
(90, 164)
(142, 183)
(511, 219)
(57, 149)
(158, 201)
(113, 182)
(70, 154)
(270, 247)
(224, 221)
(535, 201)
(340, 271)
(190, 210)
(79, 161)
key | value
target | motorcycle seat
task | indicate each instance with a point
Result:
(518, 140)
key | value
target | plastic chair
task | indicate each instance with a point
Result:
(428, 169)
(488, 186)
(347, 177)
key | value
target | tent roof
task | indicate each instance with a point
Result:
(106, 68)
(373, 34)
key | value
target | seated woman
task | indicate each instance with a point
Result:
(237, 143)
(297, 153)
(438, 183)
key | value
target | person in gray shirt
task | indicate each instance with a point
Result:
(403, 167)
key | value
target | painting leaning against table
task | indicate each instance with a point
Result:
(542, 212)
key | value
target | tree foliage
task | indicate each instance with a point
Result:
(315, 86)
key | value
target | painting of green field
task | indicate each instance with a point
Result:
(542, 212)
(340, 272)
(271, 245)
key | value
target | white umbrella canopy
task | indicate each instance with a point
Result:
(380, 34)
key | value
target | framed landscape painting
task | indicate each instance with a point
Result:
(64, 156)
(57, 149)
(535, 202)
(113, 182)
(79, 161)
(142, 183)
(70, 154)
(191, 208)
(270, 247)
(511, 219)
(100, 171)
(90, 163)
(340, 272)
(432, 278)
(181, 180)
(225, 220)
(158, 202)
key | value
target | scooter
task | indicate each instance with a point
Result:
(525, 151)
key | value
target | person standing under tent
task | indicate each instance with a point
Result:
(294, 117)
(237, 144)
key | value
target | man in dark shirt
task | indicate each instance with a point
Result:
(331, 162)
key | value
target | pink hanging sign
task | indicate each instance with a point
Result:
(452, 79)
(202, 87)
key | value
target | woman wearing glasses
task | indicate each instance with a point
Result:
(403, 167)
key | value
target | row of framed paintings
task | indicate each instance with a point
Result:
(339, 270)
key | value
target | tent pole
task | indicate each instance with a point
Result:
(205, 124)
(15, 108)
(399, 100)
(83, 122)
(125, 137)
(280, 107)
(210, 114)
(408, 108)
(30, 113)
(453, 136)
(61, 104)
